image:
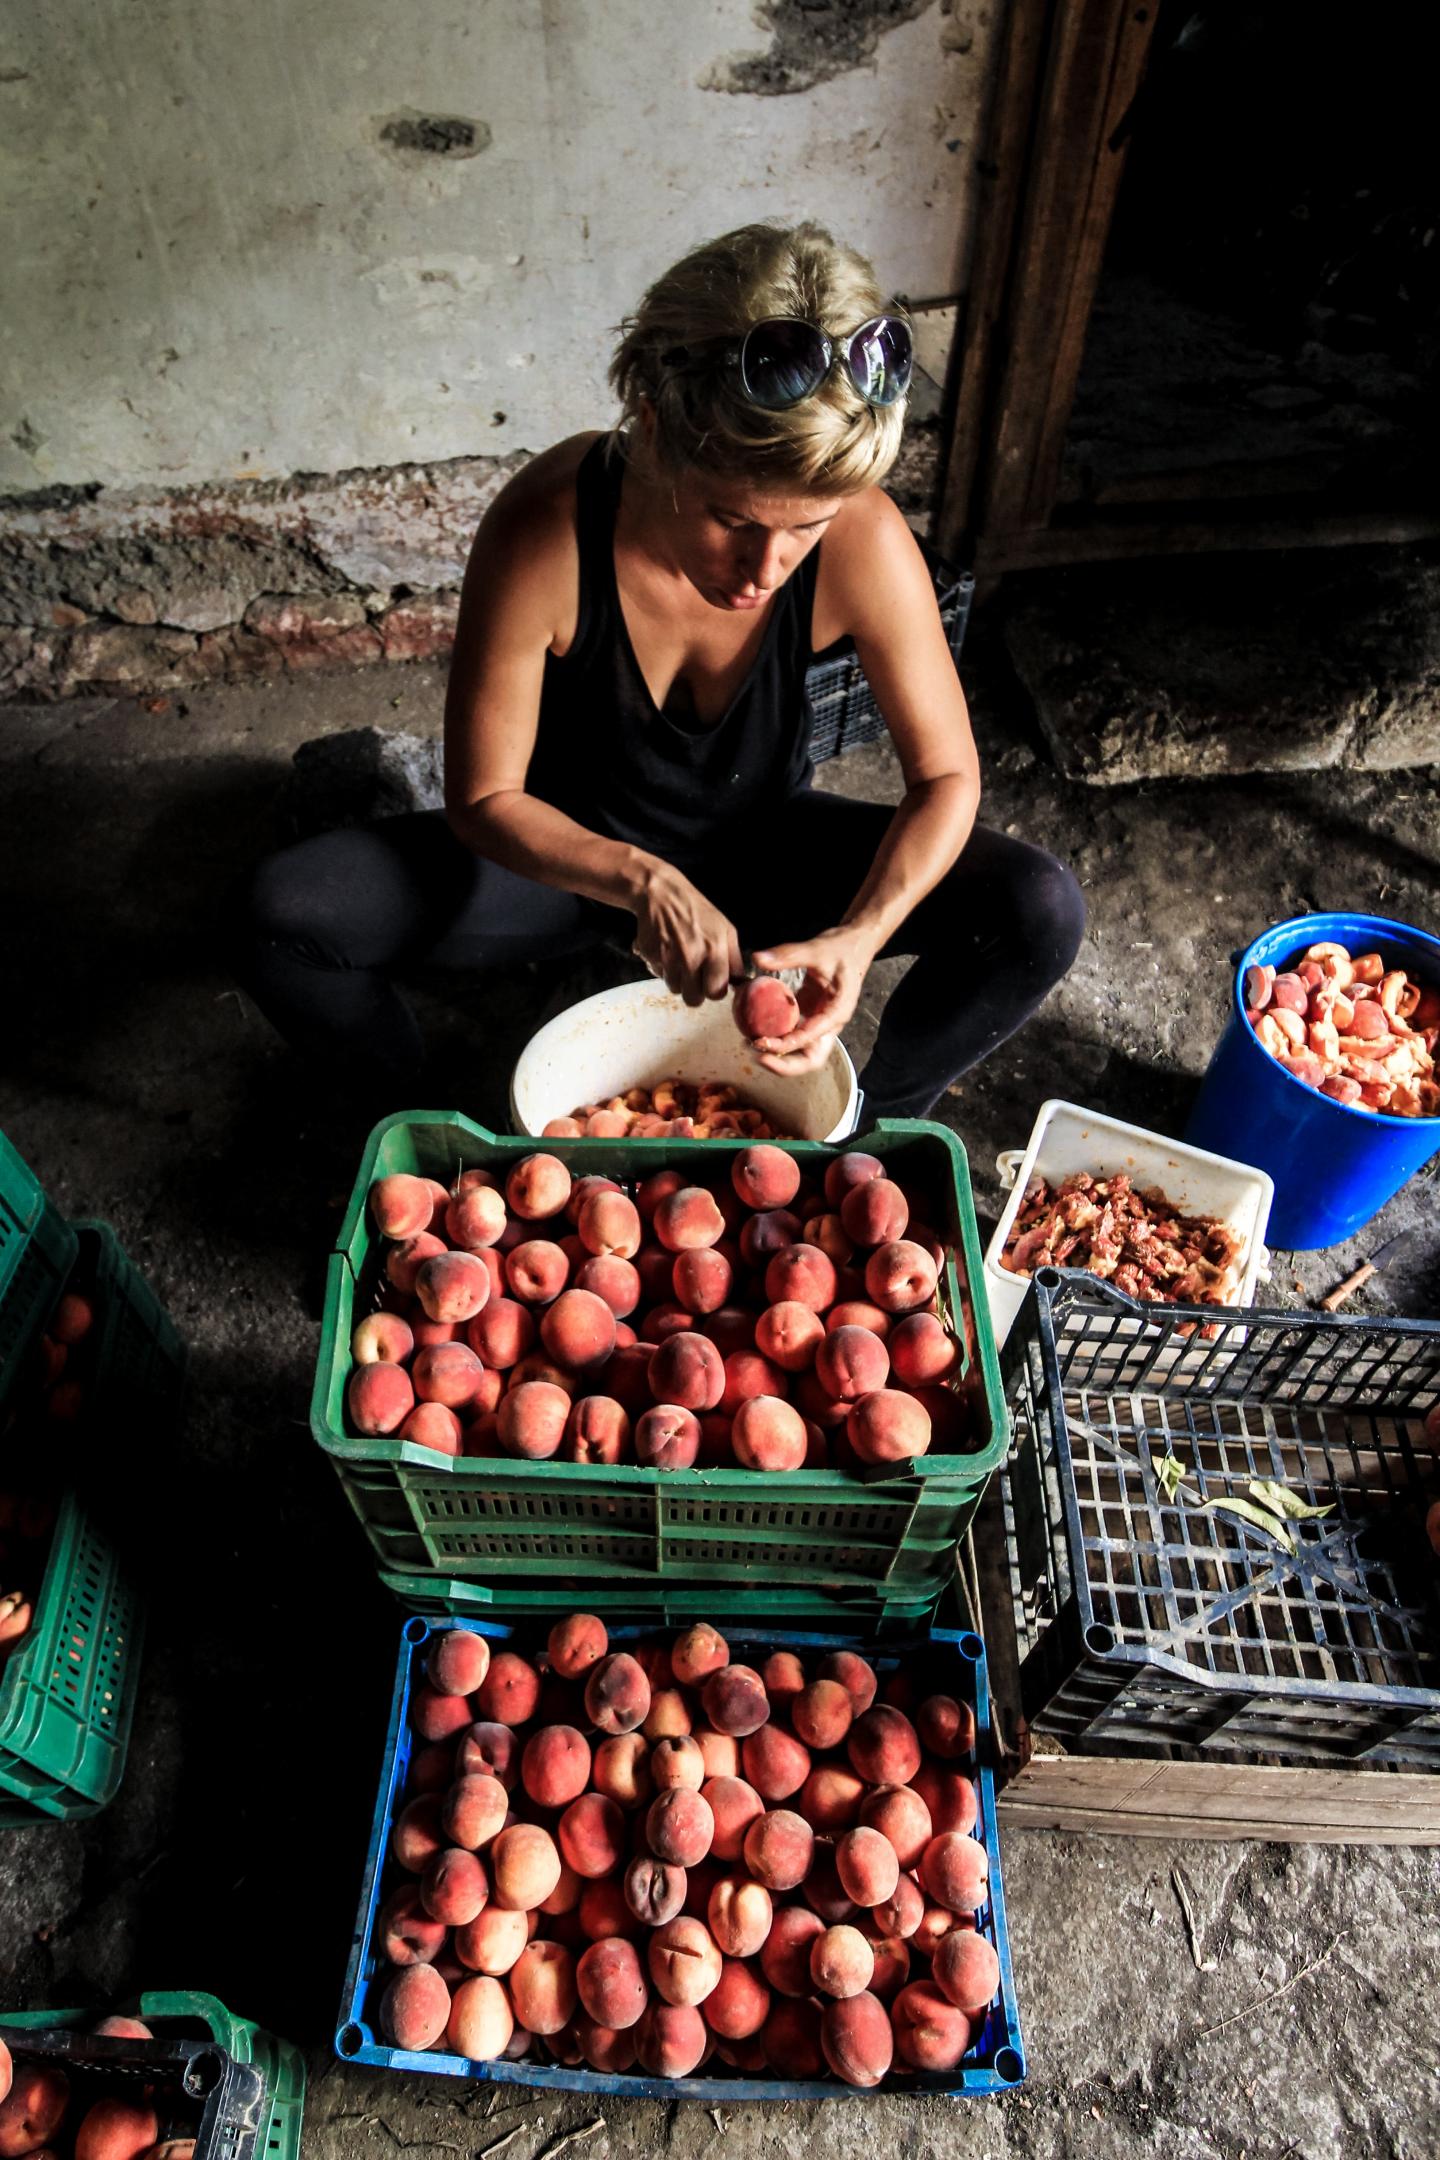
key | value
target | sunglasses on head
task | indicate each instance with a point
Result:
(782, 360)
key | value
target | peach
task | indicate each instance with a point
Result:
(417, 1836)
(738, 2004)
(892, 1965)
(818, 1408)
(883, 1747)
(784, 1676)
(688, 1219)
(431, 1425)
(524, 1866)
(765, 1177)
(676, 1760)
(400, 1204)
(801, 1273)
(688, 1370)
(888, 1426)
(949, 1798)
(740, 1915)
(700, 1651)
(542, 1987)
(429, 1334)
(936, 1923)
(901, 1276)
(899, 1815)
(667, 1437)
(955, 1871)
(457, 1661)
(734, 1806)
(538, 1187)
(578, 1330)
(788, 1335)
(701, 1280)
(946, 1727)
(448, 1373)
(851, 1362)
(663, 1321)
(596, 1431)
(822, 1713)
(841, 1962)
(603, 1910)
(403, 1262)
(748, 1376)
(585, 1188)
(858, 1312)
(415, 2009)
(951, 1429)
(655, 1188)
(436, 1716)
(721, 1752)
(848, 1171)
(454, 1886)
(922, 1351)
(875, 1212)
(474, 1809)
(765, 1235)
(537, 1271)
(778, 1849)
(854, 1673)
(576, 1643)
(901, 1913)
(765, 1009)
(830, 1798)
(452, 1285)
(610, 1981)
(785, 1954)
(823, 1890)
(533, 1418)
(791, 2039)
(867, 1865)
(510, 1690)
(378, 1399)
(966, 1970)
(776, 1763)
(481, 2023)
(930, 2032)
(501, 1333)
(475, 1219)
(616, 1281)
(555, 1767)
(592, 1836)
(492, 1941)
(655, 1890)
(670, 2040)
(828, 1232)
(492, 1748)
(684, 1961)
(856, 2039)
(735, 1701)
(617, 1694)
(669, 1714)
(112, 2028)
(626, 1376)
(610, 2052)
(408, 1935)
(608, 1225)
(730, 1329)
(382, 1339)
(622, 1769)
(769, 1435)
(680, 1826)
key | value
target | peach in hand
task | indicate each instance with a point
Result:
(765, 1009)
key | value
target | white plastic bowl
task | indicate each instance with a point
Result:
(637, 1034)
(1066, 1139)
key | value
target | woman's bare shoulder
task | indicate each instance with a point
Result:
(539, 501)
(869, 563)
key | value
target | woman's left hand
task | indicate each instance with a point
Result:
(835, 965)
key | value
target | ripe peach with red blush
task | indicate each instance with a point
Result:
(765, 1009)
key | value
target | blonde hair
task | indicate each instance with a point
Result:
(831, 443)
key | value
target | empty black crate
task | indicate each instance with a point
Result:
(1146, 1620)
(843, 710)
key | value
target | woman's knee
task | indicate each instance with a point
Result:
(1049, 917)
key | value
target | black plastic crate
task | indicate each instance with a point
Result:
(1143, 1621)
(842, 704)
(198, 2086)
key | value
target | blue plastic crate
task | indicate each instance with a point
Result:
(995, 2064)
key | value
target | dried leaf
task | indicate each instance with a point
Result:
(1281, 1501)
(1259, 1519)
(1170, 1476)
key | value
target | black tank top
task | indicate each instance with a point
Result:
(606, 755)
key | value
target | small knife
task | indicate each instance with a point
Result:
(1389, 1251)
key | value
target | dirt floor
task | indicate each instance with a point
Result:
(142, 1088)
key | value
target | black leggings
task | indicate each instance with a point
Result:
(322, 927)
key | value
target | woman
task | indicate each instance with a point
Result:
(626, 727)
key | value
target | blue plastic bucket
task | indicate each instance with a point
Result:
(1334, 1167)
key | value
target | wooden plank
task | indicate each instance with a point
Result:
(1097, 55)
(1001, 169)
(1122, 541)
(1136, 1797)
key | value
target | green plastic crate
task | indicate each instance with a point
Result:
(67, 1694)
(183, 2016)
(658, 1605)
(820, 1541)
(37, 1252)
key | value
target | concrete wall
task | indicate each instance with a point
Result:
(240, 245)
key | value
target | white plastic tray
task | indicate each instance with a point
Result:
(1067, 1138)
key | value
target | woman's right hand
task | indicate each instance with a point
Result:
(683, 940)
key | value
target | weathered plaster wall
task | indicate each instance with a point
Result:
(384, 249)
